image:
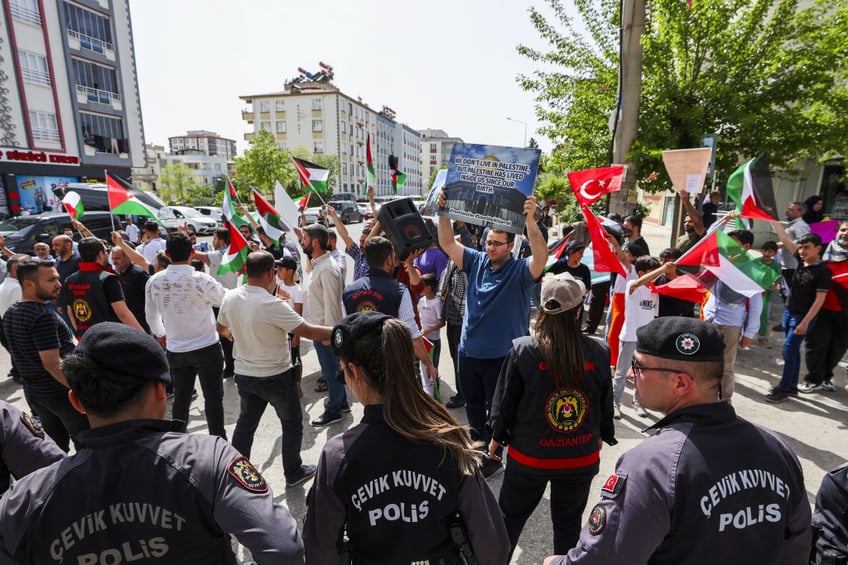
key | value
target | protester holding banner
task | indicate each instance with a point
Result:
(497, 310)
(693, 225)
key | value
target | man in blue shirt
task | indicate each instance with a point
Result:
(496, 311)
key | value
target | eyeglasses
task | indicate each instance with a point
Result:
(492, 243)
(637, 369)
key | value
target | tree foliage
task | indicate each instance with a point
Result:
(176, 181)
(261, 166)
(767, 76)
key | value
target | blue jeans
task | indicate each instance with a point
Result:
(205, 363)
(479, 378)
(280, 391)
(792, 350)
(329, 363)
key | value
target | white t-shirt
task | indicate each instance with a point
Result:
(639, 308)
(290, 294)
(260, 323)
(430, 312)
(620, 282)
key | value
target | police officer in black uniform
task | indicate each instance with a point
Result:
(830, 520)
(709, 487)
(136, 490)
(24, 447)
(404, 485)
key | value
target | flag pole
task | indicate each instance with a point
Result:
(111, 215)
(713, 228)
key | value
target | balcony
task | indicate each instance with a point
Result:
(77, 40)
(249, 137)
(23, 14)
(247, 116)
(88, 95)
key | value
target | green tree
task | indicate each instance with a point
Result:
(261, 166)
(176, 182)
(767, 76)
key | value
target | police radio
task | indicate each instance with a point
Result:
(459, 537)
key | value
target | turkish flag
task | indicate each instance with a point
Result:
(606, 260)
(590, 185)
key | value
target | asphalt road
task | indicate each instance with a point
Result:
(814, 424)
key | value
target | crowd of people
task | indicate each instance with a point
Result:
(107, 335)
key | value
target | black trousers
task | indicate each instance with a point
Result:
(523, 489)
(826, 343)
(454, 333)
(597, 303)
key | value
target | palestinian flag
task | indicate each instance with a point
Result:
(430, 349)
(689, 287)
(269, 218)
(301, 203)
(73, 204)
(751, 189)
(557, 253)
(122, 202)
(398, 177)
(236, 255)
(312, 175)
(719, 254)
(229, 208)
(372, 174)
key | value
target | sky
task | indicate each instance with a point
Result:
(449, 65)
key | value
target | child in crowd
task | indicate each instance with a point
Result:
(290, 292)
(641, 305)
(768, 251)
(430, 312)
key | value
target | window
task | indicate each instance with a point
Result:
(104, 133)
(96, 82)
(317, 125)
(281, 127)
(318, 147)
(344, 168)
(26, 11)
(265, 125)
(282, 146)
(343, 126)
(34, 68)
(316, 103)
(263, 106)
(280, 106)
(344, 148)
(43, 126)
(93, 31)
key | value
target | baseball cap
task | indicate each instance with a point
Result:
(561, 293)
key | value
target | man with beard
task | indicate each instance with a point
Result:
(827, 340)
(133, 281)
(632, 230)
(324, 308)
(693, 225)
(38, 339)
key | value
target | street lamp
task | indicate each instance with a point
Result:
(525, 128)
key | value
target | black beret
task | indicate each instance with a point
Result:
(125, 350)
(684, 339)
(354, 326)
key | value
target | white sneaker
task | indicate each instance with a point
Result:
(616, 412)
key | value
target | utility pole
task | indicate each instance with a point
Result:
(629, 92)
(525, 128)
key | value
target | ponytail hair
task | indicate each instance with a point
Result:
(561, 345)
(390, 368)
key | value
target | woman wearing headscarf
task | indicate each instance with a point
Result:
(814, 206)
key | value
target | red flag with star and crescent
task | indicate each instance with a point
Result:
(590, 185)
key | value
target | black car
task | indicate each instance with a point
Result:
(23, 232)
(348, 211)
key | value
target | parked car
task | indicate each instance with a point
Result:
(348, 211)
(213, 212)
(312, 215)
(197, 222)
(23, 232)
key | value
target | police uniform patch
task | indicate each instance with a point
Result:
(614, 484)
(566, 409)
(243, 471)
(597, 520)
(687, 343)
(81, 309)
(33, 426)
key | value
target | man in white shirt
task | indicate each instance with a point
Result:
(178, 309)
(259, 322)
(153, 242)
(229, 280)
(132, 230)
